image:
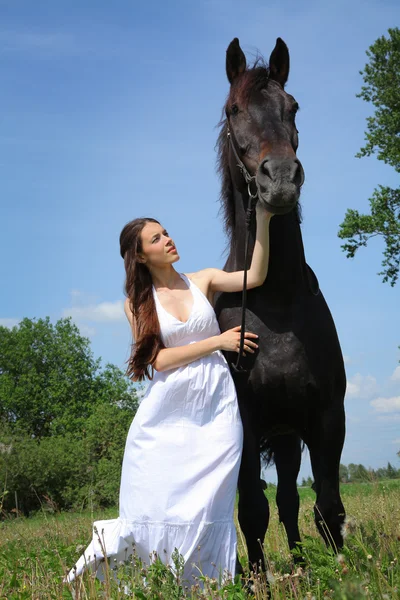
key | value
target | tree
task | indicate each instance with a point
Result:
(49, 380)
(391, 471)
(343, 473)
(358, 473)
(382, 88)
(307, 482)
(63, 419)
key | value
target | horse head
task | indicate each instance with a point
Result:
(260, 120)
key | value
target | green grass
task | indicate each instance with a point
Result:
(35, 554)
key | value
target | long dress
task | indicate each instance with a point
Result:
(181, 462)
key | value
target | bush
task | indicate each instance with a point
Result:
(66, 471)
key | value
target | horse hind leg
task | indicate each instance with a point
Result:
(287, 456)
(325, 452)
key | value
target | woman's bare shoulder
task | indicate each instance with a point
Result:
(202, 279)
(202, 275)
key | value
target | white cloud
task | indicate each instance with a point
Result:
(386, 405)
(86, 330)
(389, 418)
(346, 359)
(361, 386)
(102, 312)
(85, 311)
(396, 374)
(9, 323)
(397, 442)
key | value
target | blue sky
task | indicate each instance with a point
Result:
(109, 112)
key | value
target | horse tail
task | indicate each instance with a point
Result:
(267, 452)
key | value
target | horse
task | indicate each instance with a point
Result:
(291, 392)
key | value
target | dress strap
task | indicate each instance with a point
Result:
(196, 290)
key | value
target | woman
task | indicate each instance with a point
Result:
(183, 449)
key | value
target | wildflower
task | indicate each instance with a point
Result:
(340, 558)
(348, 527)
(270, 578)
(369, 557)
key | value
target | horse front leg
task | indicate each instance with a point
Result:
(325, 452)
(253, 510)
(287, 457)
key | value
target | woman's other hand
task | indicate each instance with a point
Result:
(230, 340)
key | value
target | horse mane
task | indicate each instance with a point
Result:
(254, 78)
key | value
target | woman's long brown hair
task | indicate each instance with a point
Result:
(139, 290)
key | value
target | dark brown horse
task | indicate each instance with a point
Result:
(295, 385)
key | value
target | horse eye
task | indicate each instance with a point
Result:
(234, 109)
(294, 109)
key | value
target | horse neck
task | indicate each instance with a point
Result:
(287, 264)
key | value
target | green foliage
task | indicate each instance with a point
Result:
(63, 420)
(382, 88)
(67, 471)
(307, 482)
(47, 377)
(343, 474)
(358, 473)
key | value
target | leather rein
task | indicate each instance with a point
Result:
(252, 201)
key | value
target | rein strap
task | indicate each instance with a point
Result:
(252, 201)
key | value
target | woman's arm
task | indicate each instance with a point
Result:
(216, 280)
(130, 317)
(172, 358)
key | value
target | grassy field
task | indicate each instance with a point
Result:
(35, 554)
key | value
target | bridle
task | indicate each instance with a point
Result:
(252, 201)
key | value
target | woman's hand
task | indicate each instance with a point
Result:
(262, 213)
(230, 340)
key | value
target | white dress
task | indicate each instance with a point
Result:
(181, 461)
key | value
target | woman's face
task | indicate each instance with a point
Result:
(158, 249)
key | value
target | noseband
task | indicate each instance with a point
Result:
(252, 201)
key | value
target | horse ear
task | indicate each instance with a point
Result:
(235, 61)
(279, 62)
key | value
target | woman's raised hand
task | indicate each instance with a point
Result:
(262, 213)
(230, 340)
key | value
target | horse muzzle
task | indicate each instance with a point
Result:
(279, 182)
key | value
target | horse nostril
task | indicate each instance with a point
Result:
(266, 168)
(297, 173)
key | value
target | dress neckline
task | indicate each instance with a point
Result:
(188, 283)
